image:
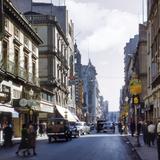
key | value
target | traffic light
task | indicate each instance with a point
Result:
(1, 20)
(136, 99)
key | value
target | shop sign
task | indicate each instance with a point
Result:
(46, 108)
(135, 87)
(43, 115)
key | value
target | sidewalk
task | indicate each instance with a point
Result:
(145, 152)
(17, 140)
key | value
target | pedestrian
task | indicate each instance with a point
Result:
(139, 127)
(132, 127)
(7, 135)
(158, 139)
(24, 141)
(145, 132)
(151, 133)
(32, 138)
(120, 128)
(41, 129)
(113, 126)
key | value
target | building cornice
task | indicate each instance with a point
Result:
(20, 20)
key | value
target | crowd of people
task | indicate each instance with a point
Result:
(150, 132)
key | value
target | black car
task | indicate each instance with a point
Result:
(73, 129)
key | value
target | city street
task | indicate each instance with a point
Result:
(88, 147)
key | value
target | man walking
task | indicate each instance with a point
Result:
(158, 139)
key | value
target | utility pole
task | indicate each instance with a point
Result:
(142, 11)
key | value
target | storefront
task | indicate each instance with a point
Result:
(7, 116)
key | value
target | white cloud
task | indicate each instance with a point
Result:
(103, 33)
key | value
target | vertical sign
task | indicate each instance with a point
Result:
(1, 20)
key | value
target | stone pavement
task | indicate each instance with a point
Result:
(145, 152)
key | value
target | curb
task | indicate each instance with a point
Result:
(133, 148)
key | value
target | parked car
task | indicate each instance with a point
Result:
(82, 128)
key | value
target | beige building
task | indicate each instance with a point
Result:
(53, 60)
(18, 69)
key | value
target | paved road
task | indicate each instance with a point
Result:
(90, 147)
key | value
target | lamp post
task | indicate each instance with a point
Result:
(135, 91)
(30, 103)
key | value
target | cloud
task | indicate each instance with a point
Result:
(102, 34)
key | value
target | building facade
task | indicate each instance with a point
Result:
(57, 53)
(19, 69)
(90, 92)
(152, 100)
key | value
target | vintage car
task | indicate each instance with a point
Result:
(109, 127)
(58, 128)
(82, 127)
(73, 129)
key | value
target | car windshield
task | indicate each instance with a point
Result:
(79, 124)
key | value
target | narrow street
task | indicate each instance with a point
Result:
(88, 147)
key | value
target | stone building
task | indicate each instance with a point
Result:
(152, 100)
(78, 84)
(57, 53)
(89, 92)
(18, 69)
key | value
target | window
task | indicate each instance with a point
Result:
(6, 23)
(5, 53)
(16, 32)
(33, 48)
(16, 59)
(26, 41)
(34, 68)
(26, 68)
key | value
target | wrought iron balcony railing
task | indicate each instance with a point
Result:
(18, 71)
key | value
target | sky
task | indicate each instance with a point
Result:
(102, 29)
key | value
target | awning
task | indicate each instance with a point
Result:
(77, 119)
(66, 114)
(10, 109)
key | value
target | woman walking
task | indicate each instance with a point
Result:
(24, 141)
(32, 139)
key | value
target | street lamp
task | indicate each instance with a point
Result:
(30, 104)
(135, 90)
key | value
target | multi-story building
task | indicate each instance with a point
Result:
(90, 94)
(57, 52)
(152, 100)
(136, 66)
(141, 65)
(104, 108)
(78, 84)
(129, 56)
(19, 69)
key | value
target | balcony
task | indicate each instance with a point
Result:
(11, 69)
(8, 66)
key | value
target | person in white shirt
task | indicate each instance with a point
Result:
(158, 139)
(151, 133)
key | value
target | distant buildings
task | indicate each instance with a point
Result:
(41, 75)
